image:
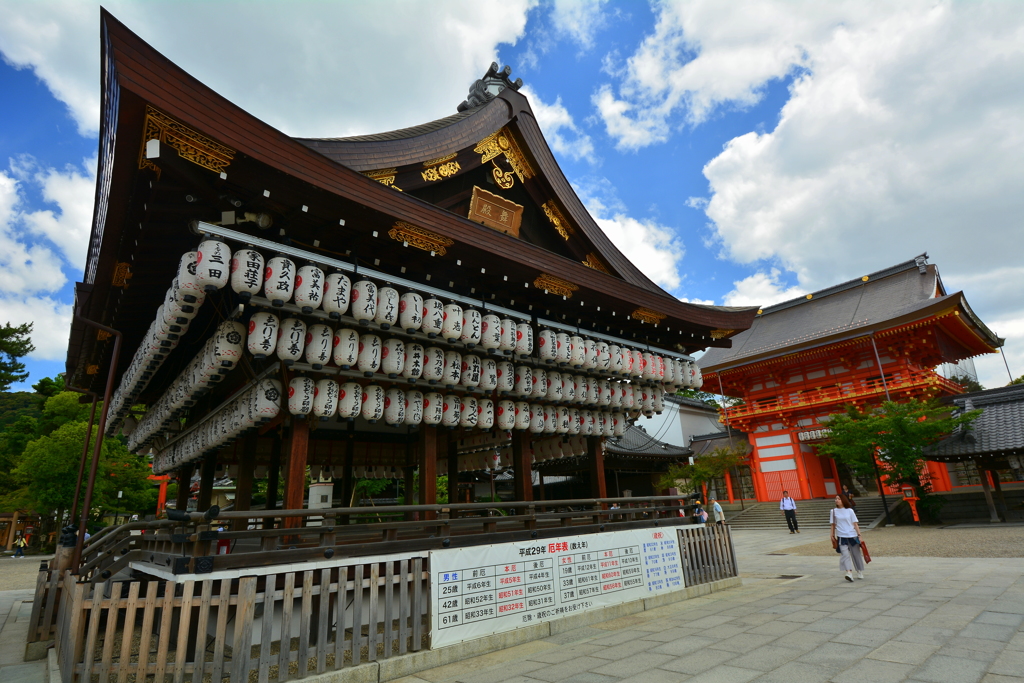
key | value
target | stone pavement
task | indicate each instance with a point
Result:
(933, 620)
(13, 632)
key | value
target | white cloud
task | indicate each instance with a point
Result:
(330, 59)
(559, 128)
(73, 193)
(24, 268)
(761, 289)
(51, 323)
(704, 302)
(578, 19)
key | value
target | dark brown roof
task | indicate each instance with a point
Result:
(997, 432)
(853, 308)
(636, 441)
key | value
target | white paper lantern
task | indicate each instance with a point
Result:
(508, 336)
(452, 411)
(524, 340)
(536, 418)
(452, 369)
(279, 280)
(670, 371)
(589, 354)
(364, 301)
(659, 399)
(524, 381)
(489, 374)
(414, 356)
(547, 344)
(539, 388)
(373, 403)
(626, 392)
(505, 415)
(410, 312)
(387, 307)
(433, 364)
(451, 329)
(490, 332)
(554, 384)
(393, 357)
(485, 413)
(636, 368)
(370, 347)
(433, 408)
(582, 388)
(615, 395)
(268, 399)
(300, 395)
(604, 392)
(468, 415)
(522, 415)
(575, 421)
(319, 340)
(246, 273)
(562, 426)
(563, 348)
(568, 388)
(577, 351)
(346, 348)
(309, 288)
(433, 317)
(325, 403)
(659, 372)
(604, 357)
(413, 407)
(506, 377)
(188, 284)
(176, 306)
(550, 419)
(394, 406)
(213, 265)
(615, 359)
(472, 368)
(472, 328)
(650, 367)
(697, 379)
(618, 424)
(337, 294)
(638, 396)
(607, 424)
(291, 338)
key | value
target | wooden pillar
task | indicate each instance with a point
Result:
(243, 485)
(541, 493)
(453, 471)
(161, 496)
(522, 466)
(728, 486)
(295, 478)
(999, 490)
(348, 487)
(12, 532)
(273, 478)
(427, 454)
(595, 448)
(209, 469)
(408, 485)
(184, 484)
(987, 488)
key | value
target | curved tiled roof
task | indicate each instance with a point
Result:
(636, 441)
(998, 431)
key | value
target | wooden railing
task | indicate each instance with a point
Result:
(278, 625)
(708, 554)
(189, 546)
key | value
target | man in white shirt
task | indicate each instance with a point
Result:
(788, 507)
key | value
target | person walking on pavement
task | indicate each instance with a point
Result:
(716, 509)
(846, 538)
(788, 507)
(19, 547)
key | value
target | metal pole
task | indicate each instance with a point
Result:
(878, 360)
(111, 374)
(874, 456)
(81, 463)
(1003, 354)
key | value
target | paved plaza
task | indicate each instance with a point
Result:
(934, 620)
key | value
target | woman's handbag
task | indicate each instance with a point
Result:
(864, 552)
(835, 544)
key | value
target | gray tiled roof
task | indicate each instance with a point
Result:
(999, 430)
(848, 309)
(636, 441)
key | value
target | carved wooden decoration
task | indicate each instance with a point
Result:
(647, 315)
(499, 144)
(557, 219)
(384, 176)
(555, 285)
(495, 212)
(595, 262)
(190, 145)
(421, 238)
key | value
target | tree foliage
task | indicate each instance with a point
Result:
(14, 344)
(898, 432)
(705, 468)
(1019, 380)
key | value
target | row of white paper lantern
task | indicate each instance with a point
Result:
(501, 457)
(260, 403)
(218, 356)
(181, 304)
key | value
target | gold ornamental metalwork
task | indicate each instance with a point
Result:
(595, 262)
(647, 315)
(421, 238)
(555, 285)
(103, 335)
(501, 143)
(440, 160)
(721, 334)
(92, 369)
(122, 273)
(384, 176)
(441, 171)
(557, 219)
(190, 144)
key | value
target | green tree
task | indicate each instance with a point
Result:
(1019, 380)
(704, 468)
(898, 432)
(63, 408)
(13, 440)
(49, 386)
(14, 344)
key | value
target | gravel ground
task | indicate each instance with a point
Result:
(19, 574)
(909, 541)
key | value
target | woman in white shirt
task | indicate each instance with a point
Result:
(846, 533)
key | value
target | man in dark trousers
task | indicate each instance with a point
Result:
(788, 507)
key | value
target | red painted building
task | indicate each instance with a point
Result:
(854, 343)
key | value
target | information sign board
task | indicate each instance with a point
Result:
(489, 589)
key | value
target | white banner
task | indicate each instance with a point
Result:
(494, 588)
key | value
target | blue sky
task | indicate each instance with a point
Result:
(739, 153)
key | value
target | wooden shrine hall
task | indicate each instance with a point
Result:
(429, 301)
(862, 342)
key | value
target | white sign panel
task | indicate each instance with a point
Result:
(494, 588)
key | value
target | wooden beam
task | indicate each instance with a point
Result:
(453, 471)
(243, 485)
(427, 454)
(595, 447)
(522, 466)
(295, 478)
(273, 477)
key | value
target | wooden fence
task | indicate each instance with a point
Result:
(708, 554)
(272, 626)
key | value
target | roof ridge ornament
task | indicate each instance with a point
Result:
(487, 88)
